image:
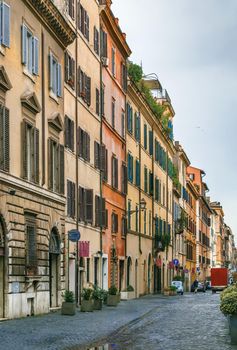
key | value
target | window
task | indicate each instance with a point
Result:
(145, 179)
(83, 144)
(84, 22)
(69, 70)
(96, 41)
(145, 136)
(30, 145)
(113, 62)
(4, 139)
(114, 225)
(97, 101)
(86, 205)
(84, 90)
(124, 76)
(137, 180)
(103, 44)
(55, 76)
(137, 127)
(69, 133)
(113, 113)
(30, 51)
(96, 270)
(56, 166)
(151, 186)
(129, 118)
(100, 212)
(103, 101)
(150, 225)
(124, 180)
(4, 24)
(88, 270)
(157, 187)
(71, 8)
(144, 222)
(70, 199)
(151, 142)
(124, 226)
(123, 124)
(130, 168)
(31, 244)
(114, 172)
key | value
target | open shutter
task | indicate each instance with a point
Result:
(87, 138)
(96, 154)
(36, 155)
(97, 211)
(87, 27)
(59, 80)
(6, 140)
(66, 131)
(24, 150)
(81, 204)
(23, 43)
(35, 56)
(5, 24)
(66, 63)
(50, 71)
(50, 163)
(89, 206)
(61, 169)
(71, 141)
(69, 199)
(73, 194)
(80, 138)
(103, 213)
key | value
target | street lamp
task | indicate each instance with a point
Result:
(142, 207)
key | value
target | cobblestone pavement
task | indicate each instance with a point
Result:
(183, 322)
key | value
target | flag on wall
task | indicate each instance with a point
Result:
(84, 248)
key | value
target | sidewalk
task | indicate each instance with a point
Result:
(57, 332)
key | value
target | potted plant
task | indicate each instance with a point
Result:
(87, 304)
(229, 308)
(173, 290)
(166, 291)
(98, 297)
(113, 296)
(69, 305)
(128, 293)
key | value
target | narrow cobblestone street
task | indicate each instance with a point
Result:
(181, 322)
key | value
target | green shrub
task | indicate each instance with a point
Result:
(130, 288)
(172, 288)
(68, 296)
(178, 278)
(87, 293)
(229, 304)
(113, 290)
(228, 290)
(98, 293)
(135, 72)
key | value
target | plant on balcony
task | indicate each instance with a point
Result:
(181, 223)
(135, 72)
(162, 241)
(69, 305)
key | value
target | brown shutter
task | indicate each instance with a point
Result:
(80, 138)
(50, 163)
(88, 91)
(69, 199)
(102, 158)
(116, 172)
(5, 139)
(87, 27)
(97, 211)
(103, 213)
(73, 73)
(2, 147)
(87, 138)
(96, 154)
(81, 204)
(72, 136)
(24, 150)
(36, 155)
(66, 131)
(124, 179)
(73, 194)
(89, 206)
(79, 81)
(66, 58)
(61, 169)
(116, 223)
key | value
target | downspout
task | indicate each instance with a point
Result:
(153, 211)
(101, 172)
(167, 198)
(77, 180)
(139, 196)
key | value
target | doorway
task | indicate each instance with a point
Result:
(54, 254)
(105, 273)
(121, 274)
(149, 275)
(2, 266)
(136, 277)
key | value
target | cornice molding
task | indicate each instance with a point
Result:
(56, 122)
(52, 17)
(5, 83)
(30, 101)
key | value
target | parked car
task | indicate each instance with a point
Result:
(201, 287)
(179, 286)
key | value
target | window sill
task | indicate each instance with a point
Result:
(29, 75)
(54, 97)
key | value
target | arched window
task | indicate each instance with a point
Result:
(54, 243)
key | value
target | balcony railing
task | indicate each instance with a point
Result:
(163, 94)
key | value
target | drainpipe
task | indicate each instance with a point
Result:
(101, 172)
(153, 211)
(167, 197)
(77, 180)
(139, 197)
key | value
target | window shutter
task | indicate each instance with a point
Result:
(89, 206)
(137, 173)
(50, 71)
(73, 193)
(2, 146)
(104, 220)
(23, 43)
(145, 136)
(81, 204)
(72, 73)
(73, 9)
(66, 73)
(24, 150)
(31, 257)
(36, 155)
(96, 154)
(97, 211)
(87, 33)
(6, 139)
(116, 173)
(124, 179)
(61, 169)
(35, 56)
(97, 103)
(151, 186)
(151, 142)
(71, 141)
(66, 131)
(69, 199)
(88, 91)
(50, 163)
(87, 137)
(59, 80)
(102, 158)
(5, 24)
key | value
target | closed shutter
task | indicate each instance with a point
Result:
(81, 203)
(31, 256)
(145, 136)
(88, 91)
(69, 198)
(104, 214)
(72, 73)
(50, 71)
(59, 80)
(87, 33)
(61, 169)
(66, 62)
(145, 179)
(102, 158)
(66, 131)
(73, 196)
(97, 102)
(116, 173)
(103, 101)
(89, 206)
(35, 56)
(24, 150)
(151, 186)
(124, 179)
(87, 156)
(36, 155)
(4, 139)
(5, 26)
(50, 163)
(137, 173)
(97, 211)
(23, 43)
(151, 142)
(96, 154)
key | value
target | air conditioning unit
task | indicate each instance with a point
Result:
(105, 61)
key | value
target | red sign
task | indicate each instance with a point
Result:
(158, 262)
(84, 249)
(171, 265)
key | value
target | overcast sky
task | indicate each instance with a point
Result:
(191, 45)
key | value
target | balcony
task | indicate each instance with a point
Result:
(163, 94)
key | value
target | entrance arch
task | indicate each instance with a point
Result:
(54, 268)
(2, 265)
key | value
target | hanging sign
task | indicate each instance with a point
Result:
(176, 262)
(74, 235)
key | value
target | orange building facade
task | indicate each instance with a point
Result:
(114, 53)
